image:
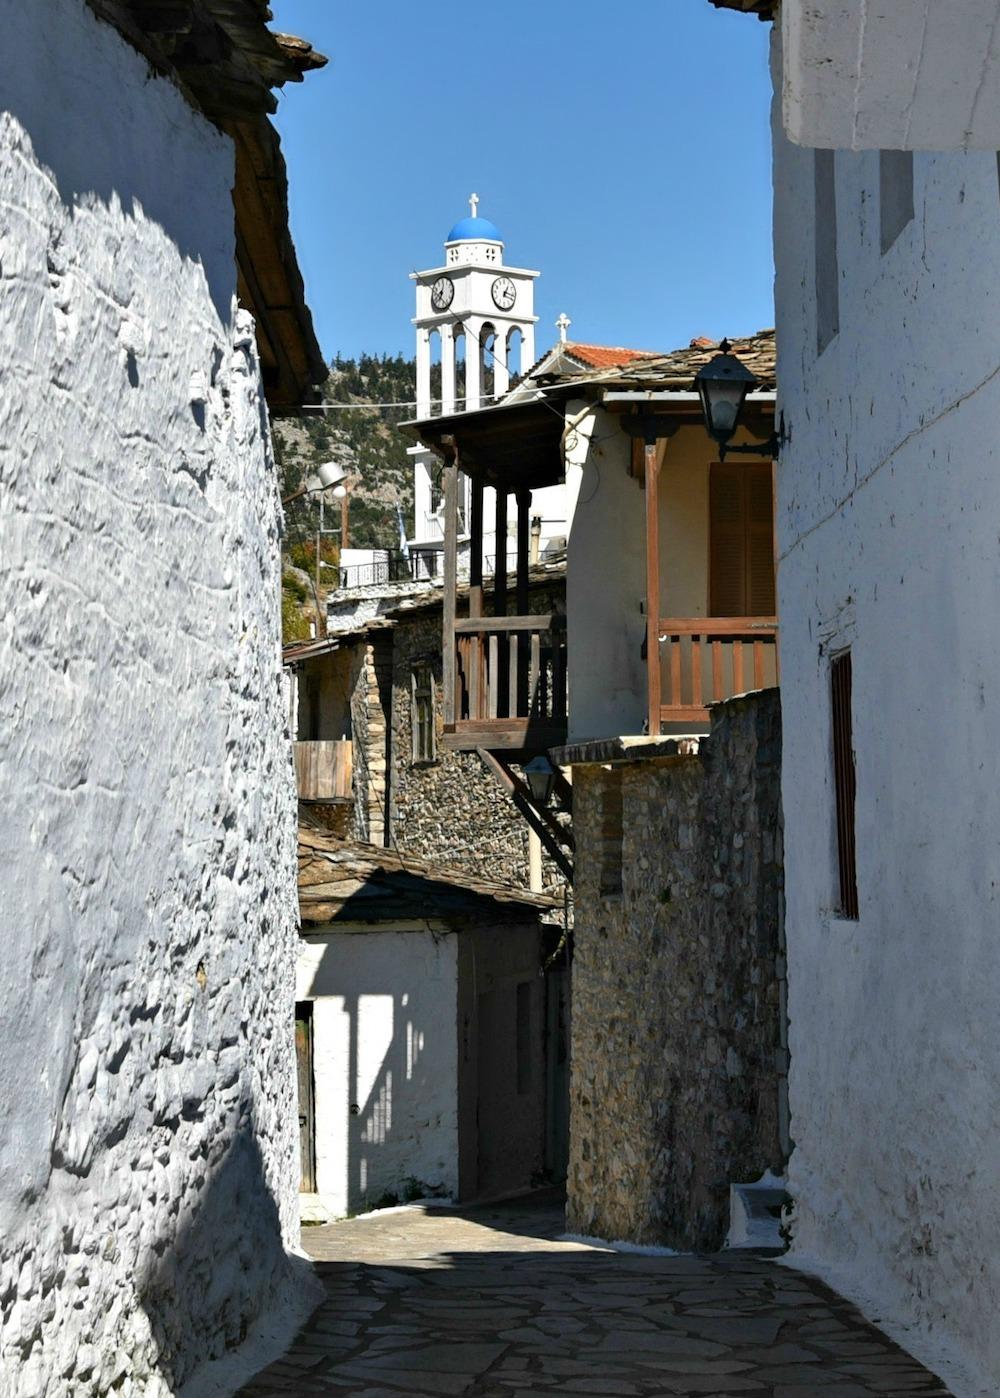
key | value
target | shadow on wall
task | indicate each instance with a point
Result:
(114, 135)
(224, 1270)
(384, 1117)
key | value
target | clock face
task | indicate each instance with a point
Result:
(442, 293)
(504, 293)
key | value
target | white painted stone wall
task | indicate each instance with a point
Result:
(889, 535)
(385, 1040)
(605, 580)
(147, 1146)
(892, 74)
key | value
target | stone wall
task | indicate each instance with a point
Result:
(677, 1048)
(371, 706)
(147, 1127)
(453, 809)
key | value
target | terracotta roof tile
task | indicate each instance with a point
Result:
(606, 356)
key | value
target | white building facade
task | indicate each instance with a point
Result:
(888, 279)
(148, 1160)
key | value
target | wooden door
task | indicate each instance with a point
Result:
(741, 542)
(307, 1118)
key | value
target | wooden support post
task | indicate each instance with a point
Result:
(476, 546)
(652, 586)
(499, 707)
(448, 669)
(523, 564)
(476, 676)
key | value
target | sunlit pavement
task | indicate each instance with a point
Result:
(485, 1301)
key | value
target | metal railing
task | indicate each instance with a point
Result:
(395, 567)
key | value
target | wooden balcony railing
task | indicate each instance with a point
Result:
(323, 770)
(706, 659)
(510, 682)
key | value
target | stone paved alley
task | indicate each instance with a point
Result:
(487, 1302)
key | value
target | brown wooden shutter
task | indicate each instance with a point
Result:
(760, 541)
(741, 543)
(727, 583)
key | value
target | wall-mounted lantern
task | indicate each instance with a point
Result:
(723, 384)
(329, 473)
(540, 775)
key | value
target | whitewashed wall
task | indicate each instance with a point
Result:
(889, 532)
(605, 580)
(147, 1150)
(385, 1039)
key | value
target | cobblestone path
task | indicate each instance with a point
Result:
(486, 1302)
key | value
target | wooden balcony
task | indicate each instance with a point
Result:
(707, 659)
(510, 683)
(323, 771)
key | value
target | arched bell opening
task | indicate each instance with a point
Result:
(435, 381)
(488, 340)
(459, 334)
(515, 352)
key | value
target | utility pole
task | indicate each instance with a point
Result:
(345, 509)
(320, 626)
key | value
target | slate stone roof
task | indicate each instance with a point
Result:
(548, 572)
(220, 52)
(226, 62)
(340, 881)
(763, 9)
(676, 369)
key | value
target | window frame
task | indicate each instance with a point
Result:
(845, 785)
(423, 730)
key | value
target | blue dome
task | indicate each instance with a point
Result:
(478, 230)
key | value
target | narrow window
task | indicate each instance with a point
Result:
(423, 714)
(612, 831)
(827, 268)
(845, 782)
(895, 194)
(524, 1037)
(741, 540)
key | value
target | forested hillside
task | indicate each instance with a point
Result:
(368, 442)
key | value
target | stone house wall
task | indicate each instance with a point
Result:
(371, 706)
(889, 496)
(677, 982)
(148, 1151)
(452, 809)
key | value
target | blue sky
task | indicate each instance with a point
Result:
(622, 150)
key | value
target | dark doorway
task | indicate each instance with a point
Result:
(307, 1129)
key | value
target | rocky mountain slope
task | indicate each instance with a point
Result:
(362, 434)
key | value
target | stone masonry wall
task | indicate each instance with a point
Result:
(371, 705)
(677, 1050)
(452, 810)
(148, 1145)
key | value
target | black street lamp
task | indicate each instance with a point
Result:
(541, 777)
(723, 384)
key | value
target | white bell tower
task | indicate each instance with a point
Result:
(477, 305)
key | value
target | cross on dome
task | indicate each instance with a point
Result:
(474, 205)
